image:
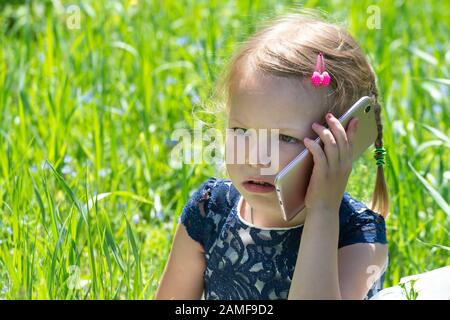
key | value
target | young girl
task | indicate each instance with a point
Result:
(233, 242)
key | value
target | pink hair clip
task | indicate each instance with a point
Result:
(318, 78)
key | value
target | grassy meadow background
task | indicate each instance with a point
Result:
(91, 92)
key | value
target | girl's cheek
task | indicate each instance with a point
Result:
(288, 152)
(231, 150)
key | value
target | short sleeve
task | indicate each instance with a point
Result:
(361, 224)
(194, 214)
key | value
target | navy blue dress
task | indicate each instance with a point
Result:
(245, 262)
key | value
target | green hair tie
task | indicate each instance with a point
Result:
(380, 152)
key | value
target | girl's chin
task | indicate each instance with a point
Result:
(261, 199)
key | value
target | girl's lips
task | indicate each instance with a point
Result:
(258, 188)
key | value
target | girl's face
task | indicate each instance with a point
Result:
(269, 102)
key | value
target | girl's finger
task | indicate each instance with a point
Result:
(316, 150)
(339, 134)
(331, 148)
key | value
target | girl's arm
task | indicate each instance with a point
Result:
(316, 270)
(323, 271)
(360, 265)
(183, 275)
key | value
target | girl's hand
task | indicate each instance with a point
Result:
(332, 165)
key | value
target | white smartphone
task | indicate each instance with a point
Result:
(291, 183)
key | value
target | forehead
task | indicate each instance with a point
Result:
(261, 100)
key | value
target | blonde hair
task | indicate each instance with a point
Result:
(288, 47)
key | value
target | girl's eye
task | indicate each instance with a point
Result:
(282, 137)
(288, 139)
(235, 128)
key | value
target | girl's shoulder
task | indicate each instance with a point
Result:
(359, 223)
(219, 194)
(207, 208)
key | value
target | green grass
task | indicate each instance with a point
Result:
(89, 112)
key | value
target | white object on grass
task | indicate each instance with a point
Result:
(431, 285)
